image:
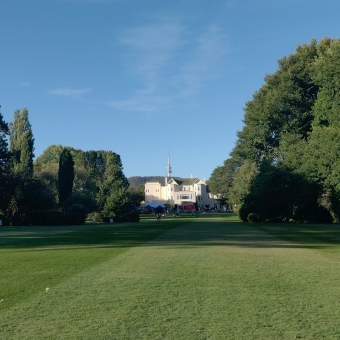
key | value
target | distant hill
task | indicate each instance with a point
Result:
(137, 180)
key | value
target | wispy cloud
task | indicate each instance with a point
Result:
(170, 61)
(25, 84)
(150, 49)
(152, 46)
(70, 92)
(147, 101)
(92, 1)
(210, 48)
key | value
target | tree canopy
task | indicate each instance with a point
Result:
(22, 142)
(77, 181)
(291, 137)
(65, 176)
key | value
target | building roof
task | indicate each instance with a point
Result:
(183, 181)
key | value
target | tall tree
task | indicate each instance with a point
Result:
(98, 179)
(291, 138)
(4, 153)
(113, 186)
(65, 175)
(321, 162)
(137, 195)
(222, 177)
(22, 142)
(51, 155)
(282, 106)
(4, 165)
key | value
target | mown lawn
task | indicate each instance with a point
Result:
(210, 277)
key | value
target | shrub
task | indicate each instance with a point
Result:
(3, 219)
(53, 217)
(243, 212)
(132, 216)
(254, 218)
(78, 217)
(95, 217)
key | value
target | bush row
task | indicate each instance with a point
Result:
(49, 217)
(132, 216)
(57, 218)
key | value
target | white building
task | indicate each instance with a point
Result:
(181, 191)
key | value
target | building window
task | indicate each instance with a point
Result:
(184, 197)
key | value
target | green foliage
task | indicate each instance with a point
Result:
(243, 211)
(25, 195)
(254, 218)
(65, 175)
(288, 150)
(22, 143)
(4, 153)
(327, 75)
(112, 186)
(5, 165)
(98, 184)
(95, 217)
(49, 176)
(131, 216)
(282, 105)
(56, 218)
(137, 195)
(222, 178)
(5, 221)
(51, 155)
(242, 182)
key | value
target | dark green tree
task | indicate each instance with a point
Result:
(51, 155)
(26, 195)
(282, 106)
(22, 143)
(290, 141)
(113, 186)
(320, 161)
(4, 165)
(222, 178)
(65, 176)
(137, 195)
(242, 183)
(99, 183)
(279, 194)
(4, 153)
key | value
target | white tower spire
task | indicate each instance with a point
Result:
(168, 169)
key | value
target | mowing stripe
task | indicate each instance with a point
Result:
(205, 280)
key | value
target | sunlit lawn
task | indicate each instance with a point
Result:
(206, 277)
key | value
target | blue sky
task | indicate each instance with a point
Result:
(144, 78)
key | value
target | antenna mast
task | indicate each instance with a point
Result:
(168, 169)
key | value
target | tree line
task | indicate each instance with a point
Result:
(285, 165)
(62, 185)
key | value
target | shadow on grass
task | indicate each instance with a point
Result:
(204, 231)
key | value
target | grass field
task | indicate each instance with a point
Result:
(210, 277)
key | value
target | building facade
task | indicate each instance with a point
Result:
(181, 191)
